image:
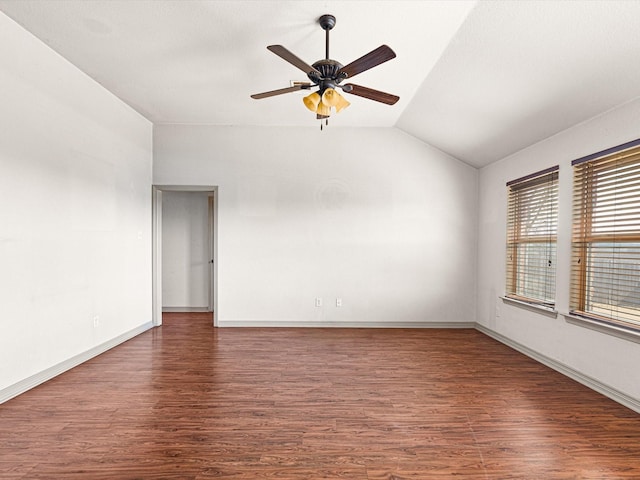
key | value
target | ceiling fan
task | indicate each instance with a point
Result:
(327, 74)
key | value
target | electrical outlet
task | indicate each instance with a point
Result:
(338, 302)
(497, 310)
(96, 321)
(318, 301)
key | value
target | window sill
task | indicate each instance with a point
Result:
(603, 327)
(549, 311)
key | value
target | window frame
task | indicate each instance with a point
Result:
(585, 191)
(516, 204)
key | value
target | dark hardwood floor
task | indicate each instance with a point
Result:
(187, 401)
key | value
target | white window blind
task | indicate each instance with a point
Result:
(532, 224)
(605, 278)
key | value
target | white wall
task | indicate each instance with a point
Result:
(75, 220)
(185, 250)
(609, 360)
(372, 216)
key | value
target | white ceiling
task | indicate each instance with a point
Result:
(478, 80)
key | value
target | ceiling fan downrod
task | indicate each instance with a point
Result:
(327, 22)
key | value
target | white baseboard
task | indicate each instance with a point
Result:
(41, 377)
(184, 309)
(307, 324)
(592, 383)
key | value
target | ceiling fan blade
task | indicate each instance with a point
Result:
(380, 55)
(292, 59)
(273, 93)
(370, 93)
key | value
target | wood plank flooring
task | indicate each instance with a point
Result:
(187, 401)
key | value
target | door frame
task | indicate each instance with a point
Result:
(156, 211)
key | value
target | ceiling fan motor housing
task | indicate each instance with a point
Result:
(329, 77)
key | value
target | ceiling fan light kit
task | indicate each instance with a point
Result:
(322, 104)
(327, 74)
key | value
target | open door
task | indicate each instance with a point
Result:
(212, 249)
(210, 242)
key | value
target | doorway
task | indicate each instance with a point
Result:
(184, 284)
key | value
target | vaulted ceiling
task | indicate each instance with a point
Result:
(478, 80)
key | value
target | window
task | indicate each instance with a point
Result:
(605, 276)
(532, 224)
